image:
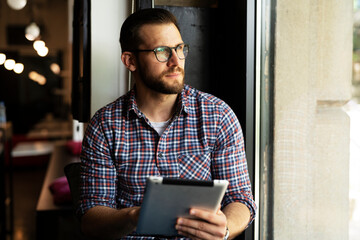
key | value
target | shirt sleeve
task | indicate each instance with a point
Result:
(98, 174)
(229, 162)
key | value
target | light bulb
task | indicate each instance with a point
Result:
(38, 44)
(36, 77)
(55, 68)
(9, 64)
(32, 75)
(17, 4)
(18, 68)
(32, 31)
(41, 80)
(2, 58)
(43, 51)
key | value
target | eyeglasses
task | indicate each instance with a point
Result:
(164, 53)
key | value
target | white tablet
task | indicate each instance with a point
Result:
(167, 199)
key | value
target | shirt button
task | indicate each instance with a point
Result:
(160, 155)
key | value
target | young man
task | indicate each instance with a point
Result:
(161, 127)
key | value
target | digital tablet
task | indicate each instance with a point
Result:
(167, 199)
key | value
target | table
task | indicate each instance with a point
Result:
(51, 129)
(56, 221)
(30, 149)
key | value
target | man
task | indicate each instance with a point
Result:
(161, 127)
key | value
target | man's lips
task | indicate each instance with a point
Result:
(174, 74)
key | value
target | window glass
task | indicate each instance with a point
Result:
(353, 110)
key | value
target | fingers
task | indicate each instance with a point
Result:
(199, 230)
(214, 218)
(207, 225)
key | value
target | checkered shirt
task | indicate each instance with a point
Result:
(121, 149)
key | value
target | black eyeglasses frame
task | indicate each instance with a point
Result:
(170, 55)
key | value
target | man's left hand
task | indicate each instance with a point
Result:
(208, 225)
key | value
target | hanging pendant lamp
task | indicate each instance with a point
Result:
(17, 4)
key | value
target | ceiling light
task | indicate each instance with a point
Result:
(55, 68)
(36, 77)
(38, 44)
(32, 31)
(9, 64)
(43, 51)
(2, 58)
(18, 68)
(16, 4)
(32, 75)
(41, 48)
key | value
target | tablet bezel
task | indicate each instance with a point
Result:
(167, 199)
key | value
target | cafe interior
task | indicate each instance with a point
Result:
(35, 92)
(45, 94)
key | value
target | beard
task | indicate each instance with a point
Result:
(161, 85)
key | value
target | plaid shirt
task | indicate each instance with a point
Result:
(121, 149)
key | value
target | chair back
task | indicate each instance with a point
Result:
(72, 173)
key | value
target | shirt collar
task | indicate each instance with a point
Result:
(132, 105)
(182, 102)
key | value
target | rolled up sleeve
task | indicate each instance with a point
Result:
(98, 173)
(230, 163)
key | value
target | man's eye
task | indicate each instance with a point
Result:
(161, 50)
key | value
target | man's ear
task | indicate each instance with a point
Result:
(128, 59)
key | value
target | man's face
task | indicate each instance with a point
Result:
(163, 77)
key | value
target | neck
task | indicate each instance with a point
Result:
(157, 107)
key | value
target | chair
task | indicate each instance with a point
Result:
(72, 173)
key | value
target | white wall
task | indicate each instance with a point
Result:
(108, 75)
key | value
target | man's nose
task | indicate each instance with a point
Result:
(174, 59)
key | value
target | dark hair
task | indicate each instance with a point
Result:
(129, 35)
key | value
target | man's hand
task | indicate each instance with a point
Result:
(208, 225)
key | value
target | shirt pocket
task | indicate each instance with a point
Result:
(195, 166)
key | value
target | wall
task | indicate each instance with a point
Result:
(108, 75)
(313, 60)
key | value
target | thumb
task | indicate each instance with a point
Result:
(219, 209)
